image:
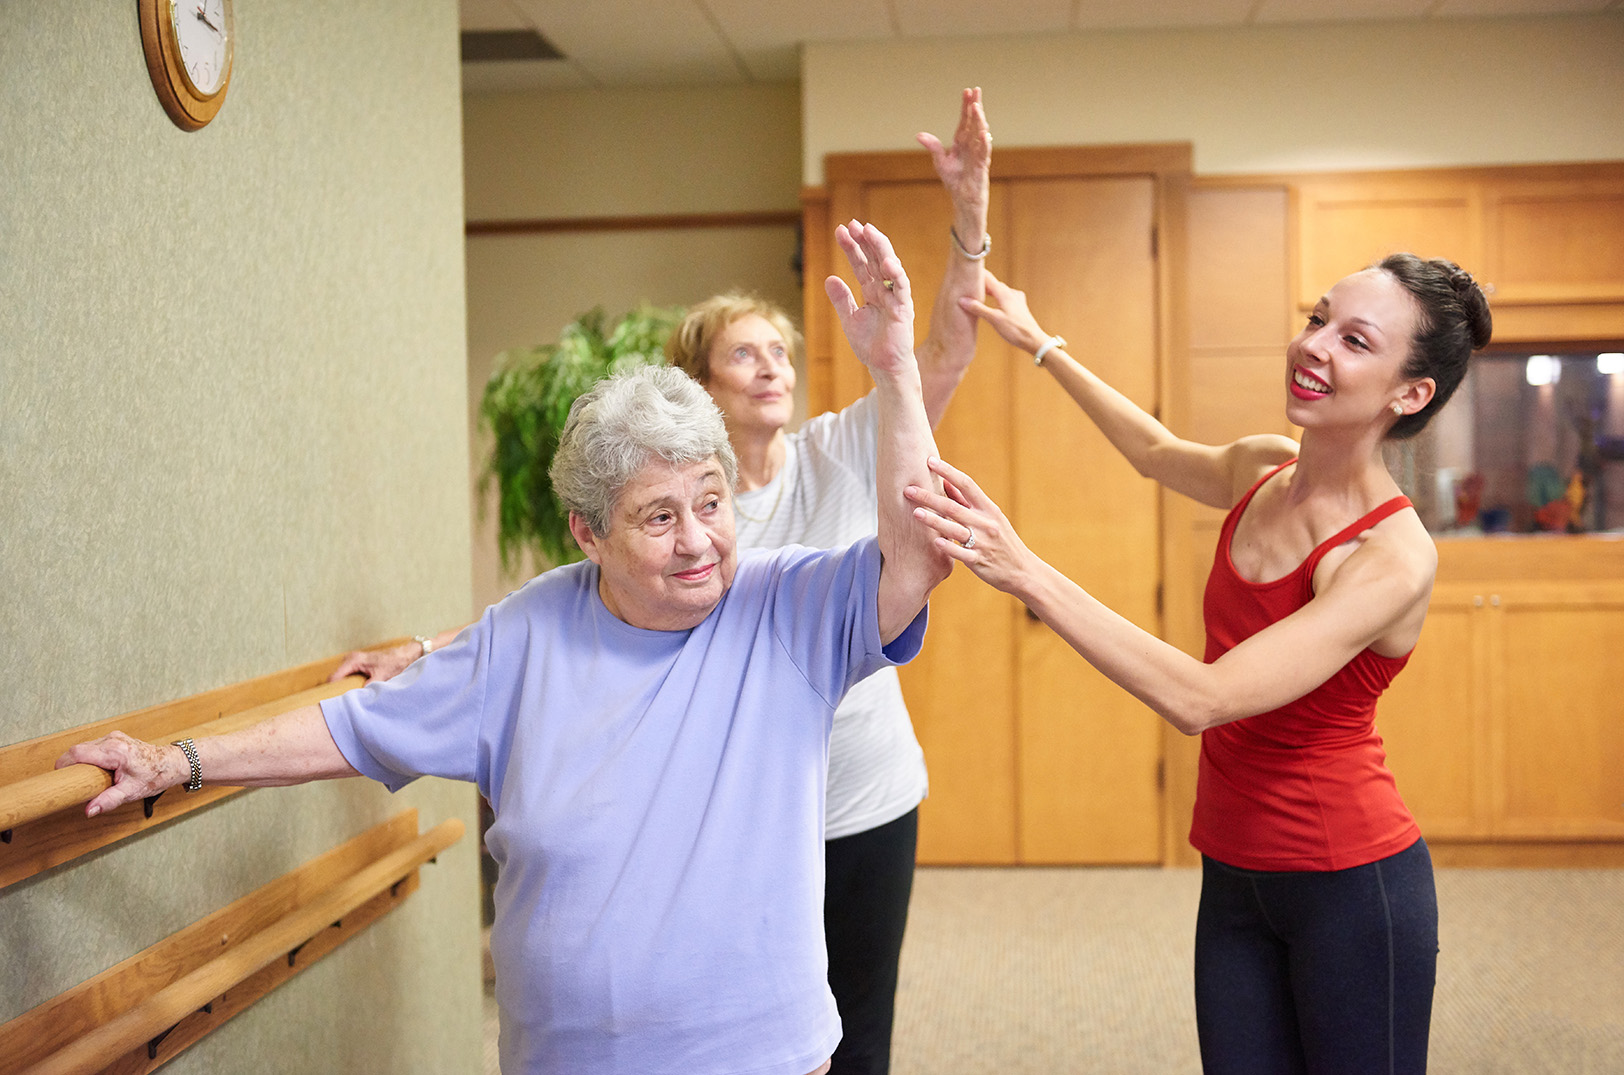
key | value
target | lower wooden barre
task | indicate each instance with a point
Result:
(147, 1025)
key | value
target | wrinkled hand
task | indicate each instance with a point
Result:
(963, 167)
(1011, 318)
(997, 555)
(139, 769)
(880, 331)
(379, 664)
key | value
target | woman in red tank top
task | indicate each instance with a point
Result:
(1316, 940)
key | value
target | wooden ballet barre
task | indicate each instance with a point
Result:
(43, 795)
(42, 822)
(99, 1024)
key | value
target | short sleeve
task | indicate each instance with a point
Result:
(850, 436)
(826, 615)
(424, 722)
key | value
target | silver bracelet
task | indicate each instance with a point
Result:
(1048, 345)
(986, 244)
(188, 748)
(426, 642)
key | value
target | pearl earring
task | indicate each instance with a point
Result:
(1397, 408)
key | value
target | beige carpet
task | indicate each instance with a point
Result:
(1048, 971)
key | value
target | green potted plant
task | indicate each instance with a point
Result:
(525, 404)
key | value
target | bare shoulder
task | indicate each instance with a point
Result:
(1252, 457)
(1396, 556)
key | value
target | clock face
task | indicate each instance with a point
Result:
(203, 32)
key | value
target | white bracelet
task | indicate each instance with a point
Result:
(1048, 345)
(986, 244)
(426, 642)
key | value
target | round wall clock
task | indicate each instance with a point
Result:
(188, 46)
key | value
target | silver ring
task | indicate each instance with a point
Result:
(969, 542)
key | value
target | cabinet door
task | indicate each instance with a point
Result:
(1345, 224)
(1434, 719)
(1088, 752)
(1561, 741)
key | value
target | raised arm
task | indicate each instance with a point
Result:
(1375, 596)
(881, 333)
(946, 351)
(293, 748)
(1212, 474)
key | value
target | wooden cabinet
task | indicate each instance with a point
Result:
(1548, 238)
(1508, 724)
(1034, 757)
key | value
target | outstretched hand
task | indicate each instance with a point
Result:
(1011, 317)
(963, 167)
(139, 769)
(971, 529)
(880, 331)
(378, 664)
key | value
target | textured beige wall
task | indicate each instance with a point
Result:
(1258, 99)
(232, 439)
(616, 153)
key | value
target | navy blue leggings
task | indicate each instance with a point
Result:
(1317, 973)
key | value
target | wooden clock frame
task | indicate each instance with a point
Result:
(189, 109)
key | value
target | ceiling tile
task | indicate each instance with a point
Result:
(781, 64)
(958, 18)
(490, 15)
(1278, 11)
(1137, 14)
(512, 76)
(629, 42)
(759, 24)
(1491, 8)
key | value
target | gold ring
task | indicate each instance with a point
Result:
(890, 285)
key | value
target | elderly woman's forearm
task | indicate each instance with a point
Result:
(911, 568)
(294, 748)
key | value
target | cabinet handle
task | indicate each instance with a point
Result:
(1477, 600)
(1494, 599)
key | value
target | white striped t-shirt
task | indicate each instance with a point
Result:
(825, 496)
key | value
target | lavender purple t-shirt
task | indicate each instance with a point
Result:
(659, 800)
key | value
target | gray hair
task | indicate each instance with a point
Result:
(615, 428)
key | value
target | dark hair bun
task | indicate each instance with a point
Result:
(1476, 305)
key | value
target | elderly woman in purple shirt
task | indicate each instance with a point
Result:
(650, 726)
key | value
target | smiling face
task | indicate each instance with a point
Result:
(751, 377)
(669, 554)
(1345, 366)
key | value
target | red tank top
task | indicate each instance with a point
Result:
(1305, 786)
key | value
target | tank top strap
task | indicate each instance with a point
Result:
(1227, 531)
(1354, 529)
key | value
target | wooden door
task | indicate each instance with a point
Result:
(1033, 756)
(1088, 752)
(959, 689)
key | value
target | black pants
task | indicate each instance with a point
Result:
(868, 880)
(1317, 972)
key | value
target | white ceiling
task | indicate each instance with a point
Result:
(691, 42)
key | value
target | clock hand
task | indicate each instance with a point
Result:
(204, 19)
